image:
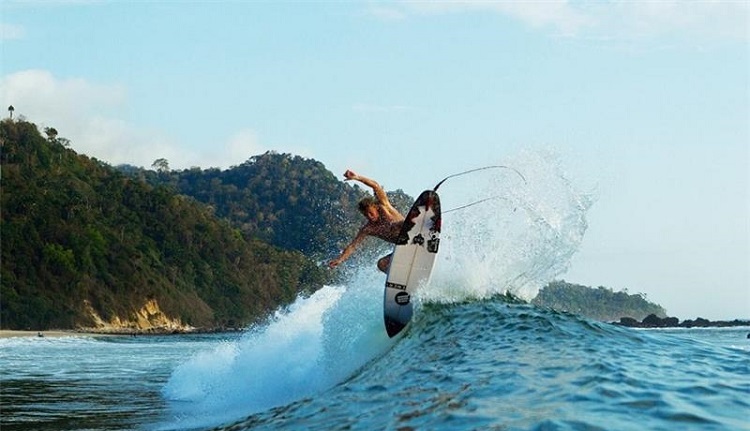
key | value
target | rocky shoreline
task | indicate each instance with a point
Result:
(654, 321)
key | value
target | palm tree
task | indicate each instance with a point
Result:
(10, 110)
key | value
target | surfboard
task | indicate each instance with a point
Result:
(412, 261)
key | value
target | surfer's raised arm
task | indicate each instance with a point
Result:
(376, 188)
(382, 198)
(383, 220)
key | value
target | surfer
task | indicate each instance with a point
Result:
(383, 221)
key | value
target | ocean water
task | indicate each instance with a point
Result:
(472, 359)
(471, 365)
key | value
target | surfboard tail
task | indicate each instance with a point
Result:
(393, 327)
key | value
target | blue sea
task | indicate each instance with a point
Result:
(471, 359)
(470, 365)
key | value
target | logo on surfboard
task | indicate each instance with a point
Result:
(402, 298)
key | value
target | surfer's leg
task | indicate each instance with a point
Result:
(384, 263)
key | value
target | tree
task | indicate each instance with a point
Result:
(161, 165)
(51, 133)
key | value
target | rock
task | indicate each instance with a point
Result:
(699, 322)
(654, 321)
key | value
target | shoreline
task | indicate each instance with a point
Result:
(55, 333)
(109, 332)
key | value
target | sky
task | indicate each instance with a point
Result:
(647, 103)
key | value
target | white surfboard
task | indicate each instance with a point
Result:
(412, 261)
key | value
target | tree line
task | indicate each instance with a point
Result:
(283, 199)
(599, 303)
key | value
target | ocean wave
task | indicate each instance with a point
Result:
(493, 364)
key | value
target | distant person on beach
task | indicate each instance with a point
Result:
(383, 221)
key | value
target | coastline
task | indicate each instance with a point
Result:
(111, 332)
(8, 333)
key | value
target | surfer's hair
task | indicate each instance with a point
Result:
(365, 203)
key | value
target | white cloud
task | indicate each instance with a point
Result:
(11, 32)
(385, 12)
(81, 111)
(605, 20)
(91, 116)
(238, 148)
(38, 93)
(699, 19)
(556, 14)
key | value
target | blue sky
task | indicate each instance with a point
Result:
(648, 103)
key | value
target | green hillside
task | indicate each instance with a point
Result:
(78, 235)
(288, 201)
(600, 303)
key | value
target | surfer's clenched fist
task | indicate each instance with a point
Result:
(350, 175)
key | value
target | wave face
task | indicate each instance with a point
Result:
(514, 243)
(489, 364)
(468, 365)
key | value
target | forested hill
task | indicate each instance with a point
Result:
(600, 303)
(289, 201)
(81, 241)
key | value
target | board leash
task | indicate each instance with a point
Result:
(473, 203)
(476, 170)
